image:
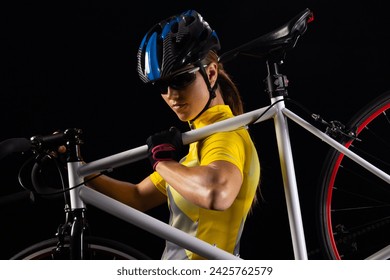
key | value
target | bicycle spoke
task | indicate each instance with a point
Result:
(355, 216)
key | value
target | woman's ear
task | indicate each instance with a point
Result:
(212, 73)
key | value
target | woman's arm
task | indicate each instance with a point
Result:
(142, 196)
(214, 186)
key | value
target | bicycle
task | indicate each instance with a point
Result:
(73, 239)
(352, 217)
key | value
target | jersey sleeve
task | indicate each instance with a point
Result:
(159, 182)
(228, 146)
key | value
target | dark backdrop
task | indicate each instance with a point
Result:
(68, 64)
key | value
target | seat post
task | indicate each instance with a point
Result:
(276, 83)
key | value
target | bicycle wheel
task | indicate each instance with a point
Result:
(354, 212)
(97, 249)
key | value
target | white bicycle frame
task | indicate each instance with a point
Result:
(84, 195)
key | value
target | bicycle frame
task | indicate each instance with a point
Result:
(279, 113)
(272, 44)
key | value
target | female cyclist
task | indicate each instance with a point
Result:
(210, 191)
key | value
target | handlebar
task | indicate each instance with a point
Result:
(42, 148)
(39, 143)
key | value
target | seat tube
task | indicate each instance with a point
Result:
(289, 180)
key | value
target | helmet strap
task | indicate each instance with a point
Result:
(211, 90)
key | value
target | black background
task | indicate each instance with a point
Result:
(68, 64)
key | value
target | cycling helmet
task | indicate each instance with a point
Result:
(174, 43)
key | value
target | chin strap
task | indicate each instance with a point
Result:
(211, 91)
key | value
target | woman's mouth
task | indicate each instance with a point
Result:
(178, 106)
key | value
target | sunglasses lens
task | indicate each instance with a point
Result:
(177, 82)
(183, 80)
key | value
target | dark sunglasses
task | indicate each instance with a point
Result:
(178, 82)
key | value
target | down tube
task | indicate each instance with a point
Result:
(145, 221)
(290, 184)
(153, 225)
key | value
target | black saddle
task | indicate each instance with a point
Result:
(275, 43)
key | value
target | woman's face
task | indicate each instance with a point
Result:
(187, 102)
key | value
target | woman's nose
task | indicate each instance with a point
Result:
(172, 93)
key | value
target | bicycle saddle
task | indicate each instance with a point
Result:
(275, 42)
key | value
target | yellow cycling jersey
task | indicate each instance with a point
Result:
(222, 229)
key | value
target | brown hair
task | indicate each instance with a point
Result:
(230, 93)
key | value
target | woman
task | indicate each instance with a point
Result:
(211, 190)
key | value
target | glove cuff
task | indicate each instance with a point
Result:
(162, 152)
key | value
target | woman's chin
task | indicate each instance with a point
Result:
(183, 117)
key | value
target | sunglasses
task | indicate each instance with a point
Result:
(178, 82)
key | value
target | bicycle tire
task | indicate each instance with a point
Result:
(354, 206)
(98, 248)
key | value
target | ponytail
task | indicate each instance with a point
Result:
(230, 93)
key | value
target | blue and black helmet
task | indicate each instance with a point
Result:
(174, 43)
